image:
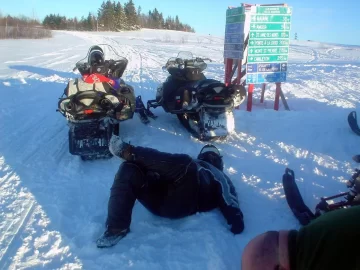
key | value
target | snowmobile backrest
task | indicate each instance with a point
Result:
(213, 92)
(78, 85)
(203, 83)
(194, 74)
(211, 86)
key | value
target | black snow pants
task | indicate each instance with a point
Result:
(166, 197)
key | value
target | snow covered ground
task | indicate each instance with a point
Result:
(53, 205)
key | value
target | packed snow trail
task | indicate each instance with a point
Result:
(53, 205)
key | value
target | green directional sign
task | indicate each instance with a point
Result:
(234, 11)
(234, 33)
(270, 18)
(269, 42)
(236, 18)
(271, 50)
(270, 34)
(274, 10)
(267, 58)
(269, 26)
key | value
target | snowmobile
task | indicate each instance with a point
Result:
(326, 204)
(96, 103)
(203, 106)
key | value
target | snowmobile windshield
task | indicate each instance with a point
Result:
(102, 55)
(186, 60)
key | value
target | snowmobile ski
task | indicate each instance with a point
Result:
(143, 112)
(294, 198)
(352, 119)
(143, 117)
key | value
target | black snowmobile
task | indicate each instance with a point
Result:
(95, 104)
(203, 106)
(326, 204)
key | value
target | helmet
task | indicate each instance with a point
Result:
(209, 153)
(96, 56)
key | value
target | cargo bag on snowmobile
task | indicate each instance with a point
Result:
(82, 103)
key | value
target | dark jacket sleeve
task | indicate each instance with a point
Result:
(229, 205)
(169, 166)
(225, 195)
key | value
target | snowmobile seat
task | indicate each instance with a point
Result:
(213, 92)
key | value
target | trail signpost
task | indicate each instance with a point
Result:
(268, 44)
(234, 33)
(267, 31)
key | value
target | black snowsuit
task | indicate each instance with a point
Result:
(173, 186)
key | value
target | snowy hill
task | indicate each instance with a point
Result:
(53, 205)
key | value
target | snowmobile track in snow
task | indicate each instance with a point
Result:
(11, 234)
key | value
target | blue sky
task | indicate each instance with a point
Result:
(320, 20)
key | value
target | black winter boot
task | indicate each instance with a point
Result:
(111, 237)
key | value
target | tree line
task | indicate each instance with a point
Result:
(21, 27)
(114, 16)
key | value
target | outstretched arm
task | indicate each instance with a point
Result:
(229, 204)
(168, 166)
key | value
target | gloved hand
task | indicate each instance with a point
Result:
(237, 225)
(120, 148)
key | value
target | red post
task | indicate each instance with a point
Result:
(250, 94)
(239, 68)
(238, 78)
(262, 92)
(228, 70)
(277, 96)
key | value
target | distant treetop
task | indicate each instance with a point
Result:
(113, 16)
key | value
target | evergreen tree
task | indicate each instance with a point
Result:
(106, 15)
(130, 12)
(120, 17)
(177, 23)
(89, 22)
(114, 16)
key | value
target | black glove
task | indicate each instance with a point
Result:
(120, 148)
(237, 225)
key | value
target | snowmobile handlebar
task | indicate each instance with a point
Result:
(183, 63)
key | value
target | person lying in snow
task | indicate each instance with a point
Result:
(168, 185)
(325, 243)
